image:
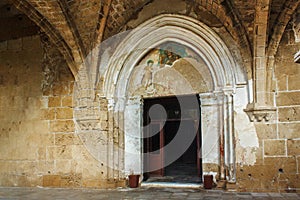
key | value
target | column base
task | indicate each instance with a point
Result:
(221, 184)
(231, 187)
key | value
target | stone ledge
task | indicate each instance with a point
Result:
(259, 114)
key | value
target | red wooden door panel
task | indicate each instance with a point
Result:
(155, 151)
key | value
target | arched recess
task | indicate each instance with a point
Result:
(188, 31)
(228, 79)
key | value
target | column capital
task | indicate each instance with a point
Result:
(260, 113)
(135, 100)
(210, 99)
(111, 103)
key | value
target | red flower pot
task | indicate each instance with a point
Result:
(134, 181)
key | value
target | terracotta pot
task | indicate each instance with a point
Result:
(208, 181)
(134, 181)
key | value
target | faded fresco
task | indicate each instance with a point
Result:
(170, 69)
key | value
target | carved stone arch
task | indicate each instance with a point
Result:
(227, 77)
(225, 71)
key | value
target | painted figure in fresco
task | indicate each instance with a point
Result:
(171, 57)
(167, 56)
(147, 78)
(162, 57)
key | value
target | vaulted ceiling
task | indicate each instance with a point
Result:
(13, 23)
(77, 26)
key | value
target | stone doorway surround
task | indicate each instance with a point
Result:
(220, 105)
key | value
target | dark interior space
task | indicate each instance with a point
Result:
(187, 163)
(186, 168)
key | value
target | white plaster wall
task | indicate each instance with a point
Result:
(245, 133)
(210, 133)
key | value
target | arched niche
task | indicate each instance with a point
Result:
(226, 83)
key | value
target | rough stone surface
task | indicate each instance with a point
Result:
(60, 127)
(139, 193)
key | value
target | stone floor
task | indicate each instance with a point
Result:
(140, 193)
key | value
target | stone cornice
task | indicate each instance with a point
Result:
(259, 113)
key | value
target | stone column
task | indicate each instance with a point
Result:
(133, 136)
(261, 109)
(229, 135)
(110, 143)
(211, 129)
(217, 123)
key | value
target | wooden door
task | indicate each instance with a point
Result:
(155, 153)
(199, 157)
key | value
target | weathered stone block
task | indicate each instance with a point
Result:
(293, 147)
(48, 114)
(251, 185)
(41, 153)
(284, 165)
(266, 131)
(44, 167)
(67, 101)
(288, 98)
(67, 139)
(64, 113)
(293, 182)
(62, 126)
(63, 166)
(51, 181)
(294, 82)
(103, 125)
(71, 180)
(289, 114)
(59, 152)
(103, 115)
(61, 89)
(54, 102)
(275, 147)
(289, 130)
(266, 172)
(91, 183)
(22, 181)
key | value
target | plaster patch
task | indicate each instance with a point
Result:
(246, 133)
(246, 137)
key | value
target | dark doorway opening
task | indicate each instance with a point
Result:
(182, 112)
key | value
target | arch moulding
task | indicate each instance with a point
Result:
(227, 78)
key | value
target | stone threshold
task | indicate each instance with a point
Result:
(172, 185)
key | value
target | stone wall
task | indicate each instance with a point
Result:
(277, 165)
(38, 143)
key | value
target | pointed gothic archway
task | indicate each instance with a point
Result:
(228, 82)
